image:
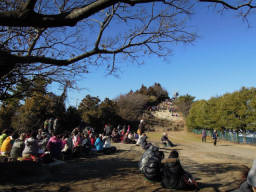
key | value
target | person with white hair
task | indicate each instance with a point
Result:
(250, 184)
(166, 141)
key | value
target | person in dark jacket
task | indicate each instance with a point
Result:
(166, 141)
(150, 163)
(143, 142)
(250, 184)
(214, 137)
(174, 176)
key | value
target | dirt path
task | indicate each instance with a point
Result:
(218, 168)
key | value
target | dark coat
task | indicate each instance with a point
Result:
(173, 175)
(150, 163)
(245, 187)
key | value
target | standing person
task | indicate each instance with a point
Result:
(141, 127)
(215, 137)
(50, 125)
(46, 125)
(204, 135)
(56, 125)
(107, 130)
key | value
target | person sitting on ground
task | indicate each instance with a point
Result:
(131, 138)
(67, 146)
(107, 148)
(98, 143)
(44, 138)
(3, 136)
(86, 144)
(174, 176)
(115, 136)
(92, 139)
(31, 146)
(39, 134)
(7, 144)
(150, 163)
(54, 146)
(143, 142)
(135, 136)
(125, 138)
(122, 134)
(18, 147)
(166, 141)
(250, 184)
(76, 139)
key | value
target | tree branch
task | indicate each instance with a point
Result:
(249, 5)
(27, 17)
(30, 4)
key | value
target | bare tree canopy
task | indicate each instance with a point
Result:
(245, 6)
(60, 38)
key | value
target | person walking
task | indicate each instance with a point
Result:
(204, 135)
(215, 137)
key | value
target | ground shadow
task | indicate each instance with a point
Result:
(210, 169)
(73, 170)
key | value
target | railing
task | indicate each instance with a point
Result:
(247, 138)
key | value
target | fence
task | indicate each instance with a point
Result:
(247, 138)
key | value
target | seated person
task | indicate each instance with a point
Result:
(86, 143)
(150, 163)
(131, 138)
(18, 147)
(174, 176)
(143, 142)
(165, 140)
(98, 143)
(54, 146)
(250, 184)
(3, 136)
(107, 148)
(7, 144)
(115, 136)
(31, 146)
(43, 142)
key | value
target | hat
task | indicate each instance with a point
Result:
(251, 178)
(174, 154)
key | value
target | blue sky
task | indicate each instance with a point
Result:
(221, 60)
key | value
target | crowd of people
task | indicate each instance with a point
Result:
(43, 146)
(49, 143)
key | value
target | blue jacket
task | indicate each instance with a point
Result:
(98, 144)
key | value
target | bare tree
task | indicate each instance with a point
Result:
(61, 38)
(244, 7)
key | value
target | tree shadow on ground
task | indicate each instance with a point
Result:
(73, 170)
(206, 170)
